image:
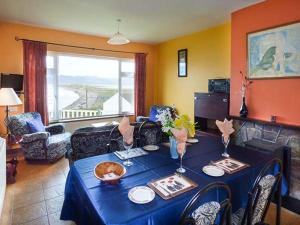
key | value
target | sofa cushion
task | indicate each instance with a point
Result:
(153, 113)
(35, 125)
(58, 138)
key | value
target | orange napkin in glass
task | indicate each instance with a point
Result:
(181, 137)
(126, 130)
(226, 128)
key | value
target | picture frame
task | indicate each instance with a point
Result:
(182, 62)
(274, 53)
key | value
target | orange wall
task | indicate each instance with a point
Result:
(11, 53)
(279, 97)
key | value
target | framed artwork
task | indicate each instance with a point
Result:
(182, 63)
(274, 53)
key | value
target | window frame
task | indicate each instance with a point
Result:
(56, 114)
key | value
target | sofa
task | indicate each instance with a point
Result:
(92, 141)
(50, 145)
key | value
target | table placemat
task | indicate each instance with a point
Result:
(132, 153)
(171, 186)
(230, 165)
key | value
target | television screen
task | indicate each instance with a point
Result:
(14, 81)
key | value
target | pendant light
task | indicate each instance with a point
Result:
(118, 38)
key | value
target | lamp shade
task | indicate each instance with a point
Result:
(9, 97)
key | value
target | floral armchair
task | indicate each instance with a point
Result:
(49, 145)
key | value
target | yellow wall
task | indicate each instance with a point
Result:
(208, 57)
(11, 53)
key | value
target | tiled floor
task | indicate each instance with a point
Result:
(37, 196)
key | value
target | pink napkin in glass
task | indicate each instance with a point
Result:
(226, 128)
(181, 137)
(126, 130)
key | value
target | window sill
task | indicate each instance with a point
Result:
(88, 118)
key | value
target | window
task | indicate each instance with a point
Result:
(86, 86)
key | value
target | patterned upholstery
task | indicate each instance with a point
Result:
(266, 184)
(50, 145)
(87, 142)
(17, 124)
(55, 129)
(141, 119)
(91, 141)
(206, 214)
(149, 134)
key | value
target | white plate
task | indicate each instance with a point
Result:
(192, 140)
(150, 147)
(141, 194)
(213, 171)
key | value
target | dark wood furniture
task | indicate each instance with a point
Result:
(209, 107)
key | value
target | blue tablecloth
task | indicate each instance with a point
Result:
(90, 202)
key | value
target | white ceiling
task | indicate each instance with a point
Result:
(150, 21)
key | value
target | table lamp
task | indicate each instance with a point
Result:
(8, 97)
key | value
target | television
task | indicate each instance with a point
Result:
(14, 81)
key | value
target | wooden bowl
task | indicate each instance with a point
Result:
(109, 172)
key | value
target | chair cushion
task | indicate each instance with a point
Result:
(153, 113)
(266, 184)
(35, 125)
(57, 138)
(206, 214)
(238, 216)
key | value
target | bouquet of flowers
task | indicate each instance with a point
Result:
(180, 121)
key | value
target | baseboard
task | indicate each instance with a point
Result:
(291, 204)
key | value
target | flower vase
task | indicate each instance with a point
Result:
(244, 109)
(173, 147)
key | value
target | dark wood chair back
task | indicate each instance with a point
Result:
(266, 185)
(212, 212)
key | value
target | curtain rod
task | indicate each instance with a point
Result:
(81, 47)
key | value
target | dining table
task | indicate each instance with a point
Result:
(89, 201)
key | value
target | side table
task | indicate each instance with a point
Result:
(12, 150)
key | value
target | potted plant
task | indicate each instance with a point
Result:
(178, 122)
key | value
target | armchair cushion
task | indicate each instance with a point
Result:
(27, 138)
(153, 113)
(35, 125)
(55, 128)
(58, 145)
(155, 109)
(17, 124)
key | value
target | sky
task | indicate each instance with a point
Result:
(89, 66)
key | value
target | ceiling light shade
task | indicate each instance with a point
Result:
(118, 38)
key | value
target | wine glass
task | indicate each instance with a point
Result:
(181, 153)
(128, 143)
(225, 143)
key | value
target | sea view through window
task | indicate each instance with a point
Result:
(82, 86)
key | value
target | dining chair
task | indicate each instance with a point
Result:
(149, 133)
(216, 211)
(266, 186)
